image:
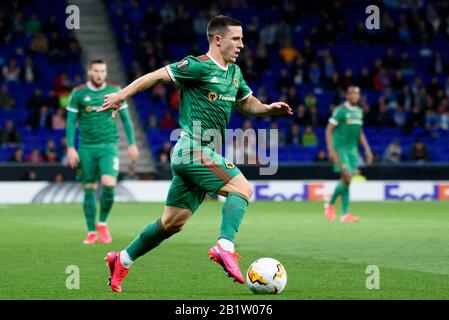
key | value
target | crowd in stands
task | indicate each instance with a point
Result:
(36, 54)
(305, 53)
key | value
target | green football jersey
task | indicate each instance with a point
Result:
(349, 122)
(94, 127)
(208, 93)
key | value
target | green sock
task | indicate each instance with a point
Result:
(337, 191)
(232, 215)
(90, 208)
(106, 202)
(148, 239)
(345, 199)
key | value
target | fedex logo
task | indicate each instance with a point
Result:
(298, 192)
(394, 191)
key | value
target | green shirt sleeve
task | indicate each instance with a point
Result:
(72, 116)
(185, 71)
(244, 90)
(336, 116)
(127, 124)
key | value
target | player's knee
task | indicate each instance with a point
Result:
(173, 222)
(174, 226)
(90, 186)
(245, 190)
(347, 178)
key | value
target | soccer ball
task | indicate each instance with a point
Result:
(266, 276)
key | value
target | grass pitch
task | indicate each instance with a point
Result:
(408, 241)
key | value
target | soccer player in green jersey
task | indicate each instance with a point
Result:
(211, 85)
(97, 154)
(343, 135)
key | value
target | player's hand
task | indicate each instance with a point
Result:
(279, 108)
(72, 157)
(133, 153)
(112, 101)
(369, 157)
(333, 156)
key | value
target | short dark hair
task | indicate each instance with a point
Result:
(96, 61)
(219, 26)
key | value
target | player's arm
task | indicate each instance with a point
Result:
(251, 106)
(114, 100)
(133, 151)
(70, 130)
(364, 142)
(333, 156)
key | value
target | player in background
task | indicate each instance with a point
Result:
(97, 154)
(211, 85)
(343, 135)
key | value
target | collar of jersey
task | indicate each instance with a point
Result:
(347, 105)
(93, 88)
(221, 67)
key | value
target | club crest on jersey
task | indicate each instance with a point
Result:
(229, 165)
(212, 96)
(236, 82)
(183, 64)
(89, 109)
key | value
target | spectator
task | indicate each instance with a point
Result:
(432, 120)
(32, 25)
(62, 83)
(39, 44)
(302, 116)
(36, 101)
(58, 121)
(35, 156)
(418, 152)
(7, 102)
(393, 153)
(30, 175)
(288, 53)
(365, 79)
(18, 155)
(131, 174)
(11, 71)
(41, 119)
(285, 80)
(167, 122)
(321, 156)
(292, 97)
(294, 135)
(62, 151)
(10, 136)
(444, 120)
(165, 152)
(51, 154)
(56, 47)
(315, 118)
(400, 117)
(59, 178)
(28, 73)
(309, 137)
(310, 100)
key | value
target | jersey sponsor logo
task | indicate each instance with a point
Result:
(212, 96)
(227, 98)
(214, 80)
(236, 82)
(354, 121)
(183, 64)
(87, 99)
(229, 165)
